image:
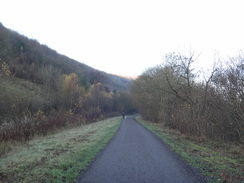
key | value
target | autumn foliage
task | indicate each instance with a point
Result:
(67, 103)
(42, 91)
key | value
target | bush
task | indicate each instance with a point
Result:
(172, 94)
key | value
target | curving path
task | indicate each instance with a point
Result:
(135, 155)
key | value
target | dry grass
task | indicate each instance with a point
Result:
(221, 162)
(58, 157)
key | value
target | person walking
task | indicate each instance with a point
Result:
(123, 114)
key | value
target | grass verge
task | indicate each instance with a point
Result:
(222, 163)
(58, 157)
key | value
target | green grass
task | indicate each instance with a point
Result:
(18, 95)
(58, 157)
(219, 162)
(24, 88)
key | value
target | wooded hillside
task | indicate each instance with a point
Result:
(30, 60)
(42, 90)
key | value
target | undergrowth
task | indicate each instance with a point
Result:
(219, 162)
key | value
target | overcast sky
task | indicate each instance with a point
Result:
(125, 37)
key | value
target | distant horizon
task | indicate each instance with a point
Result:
(117, 74)
(126, 38)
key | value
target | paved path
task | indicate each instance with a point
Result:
(135, 155)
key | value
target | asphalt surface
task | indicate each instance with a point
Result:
(135, 155)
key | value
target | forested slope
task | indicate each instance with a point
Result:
(27, 59)
(42, 90)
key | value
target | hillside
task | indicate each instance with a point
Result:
(26, 57)
(42, 90)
